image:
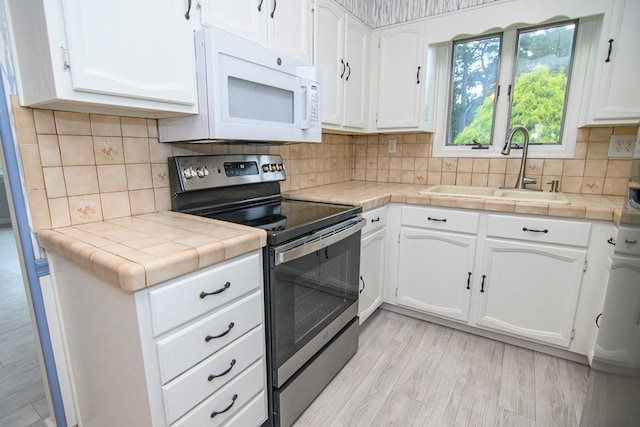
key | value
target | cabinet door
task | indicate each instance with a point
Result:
(402, 77)
(436, 272)
(617, 100)
(147, 55)
(618, 338)
(245, 18)
(530, 289)
(355, 80)
(330, 60)
(290, 28)
(371, 273)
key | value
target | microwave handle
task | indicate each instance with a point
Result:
(307, 92)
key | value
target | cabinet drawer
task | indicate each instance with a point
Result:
(254, 414)
(181, 301)
(180, 351)
(234, 396)
(539, 230)
(376, 219)
(628, 241)
(181, 394)
(440, 219)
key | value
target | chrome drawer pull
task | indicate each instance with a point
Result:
(233, 400)
(212, 337)
(535, 231)
(212, 376)
(226, 286)
(376, 219)
(630, 242)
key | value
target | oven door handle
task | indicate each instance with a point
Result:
(313, 244)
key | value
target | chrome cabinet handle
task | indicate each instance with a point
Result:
(344, 68)
(274, 8)
(349, 67)
(233, 400)
(418, 76)
(469, 280)
(212, 337)
(482, 285)
(226, 286)
(611, 241)
(364, 285)
(375, 219)
(630, 242)
(260, 5)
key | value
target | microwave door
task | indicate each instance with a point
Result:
(256, 102)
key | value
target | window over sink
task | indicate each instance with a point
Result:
(530, 76)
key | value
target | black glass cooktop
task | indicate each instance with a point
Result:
(287, 219)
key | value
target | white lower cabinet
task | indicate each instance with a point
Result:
(530, 290)
(617, 339)
(512, 274)
(187, 352)
(372, 262)
(436, 261)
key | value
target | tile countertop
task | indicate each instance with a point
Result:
(144, 250)
(371, 195)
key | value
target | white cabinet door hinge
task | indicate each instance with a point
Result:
(398, 238)
(573, 333)
(586, 264)
(64, 53)
(396, 292)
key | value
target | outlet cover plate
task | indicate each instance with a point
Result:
(622, 145)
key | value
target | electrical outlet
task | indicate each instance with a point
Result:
(392, 145)
(622, 145)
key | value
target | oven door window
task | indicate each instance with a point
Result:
(312, 291)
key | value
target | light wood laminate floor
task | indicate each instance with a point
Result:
(22, 398)
(409, 372)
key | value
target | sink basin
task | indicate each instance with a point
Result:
(497, 193)
(461, 190)
(533, 196)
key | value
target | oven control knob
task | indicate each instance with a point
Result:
(280, 167)
(272, 167)
(189, 173)
(265, 168)
(202, 172)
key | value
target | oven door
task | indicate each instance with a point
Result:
(313, 294)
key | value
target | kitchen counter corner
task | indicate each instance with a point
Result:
(144, 250)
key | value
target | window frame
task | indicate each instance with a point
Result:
(585, 42)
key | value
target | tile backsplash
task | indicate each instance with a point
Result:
(81, 168)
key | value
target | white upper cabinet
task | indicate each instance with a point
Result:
(402, 77)
(283, 25)
(341, 56)
(615, 92)
(112, 57)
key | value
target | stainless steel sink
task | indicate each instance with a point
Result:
(497, 194)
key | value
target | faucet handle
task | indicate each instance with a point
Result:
(527, 180)
(555, 184)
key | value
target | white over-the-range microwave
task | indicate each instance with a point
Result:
(247, 92)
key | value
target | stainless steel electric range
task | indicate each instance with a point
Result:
(311, 268)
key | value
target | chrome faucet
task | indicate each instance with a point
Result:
(522, 180)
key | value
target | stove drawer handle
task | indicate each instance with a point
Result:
(212, 337)
(308, 245)
(226, 286)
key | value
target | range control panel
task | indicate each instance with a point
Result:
(188, 173)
